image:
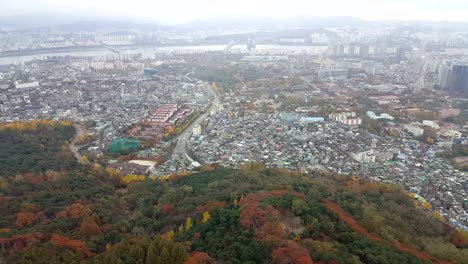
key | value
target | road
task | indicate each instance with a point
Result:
(180, 151)
(73, 147)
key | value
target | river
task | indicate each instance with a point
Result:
(148, 50)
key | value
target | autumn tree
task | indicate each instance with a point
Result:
(199, 258)
(24, 219)
(292, 253)
(206, 217)
(188, 224)
(89, 227)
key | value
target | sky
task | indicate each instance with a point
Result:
(182, 11)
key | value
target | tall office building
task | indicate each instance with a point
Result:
(454, 77)
(459, 78)
(364, 51)
(400, 54)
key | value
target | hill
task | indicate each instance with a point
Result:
(57, 211)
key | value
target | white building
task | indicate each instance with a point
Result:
(196, 130)
(367, 156)
(341, 116)
(451, 134)
(414, 130)
(101, 65)
(431, 123)
(26, 85)
(373, 116)
(352, 121)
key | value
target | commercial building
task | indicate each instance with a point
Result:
(196, 130)
(454, 77)
(431, 124)
(414, 129)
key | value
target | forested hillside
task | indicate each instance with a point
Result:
(54, 210)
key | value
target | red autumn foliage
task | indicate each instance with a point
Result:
(168, 208)
(76, 245)
(25, 219)
(265, 221)
(254, 216)
(292, 253)
(210, 206)
(199, 258)
(272, 231)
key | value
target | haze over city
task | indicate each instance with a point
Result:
(182, 11)
(240, 132)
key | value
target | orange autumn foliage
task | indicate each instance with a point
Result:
(199, 258)
(292, 253)
(76, 245)
(25, 219)
(75, 210)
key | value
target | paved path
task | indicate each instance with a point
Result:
(73, 147)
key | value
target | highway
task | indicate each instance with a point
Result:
(180, 151)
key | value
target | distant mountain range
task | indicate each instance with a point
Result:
(76, 23)
(216, 26)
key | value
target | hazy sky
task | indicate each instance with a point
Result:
(187, 10)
